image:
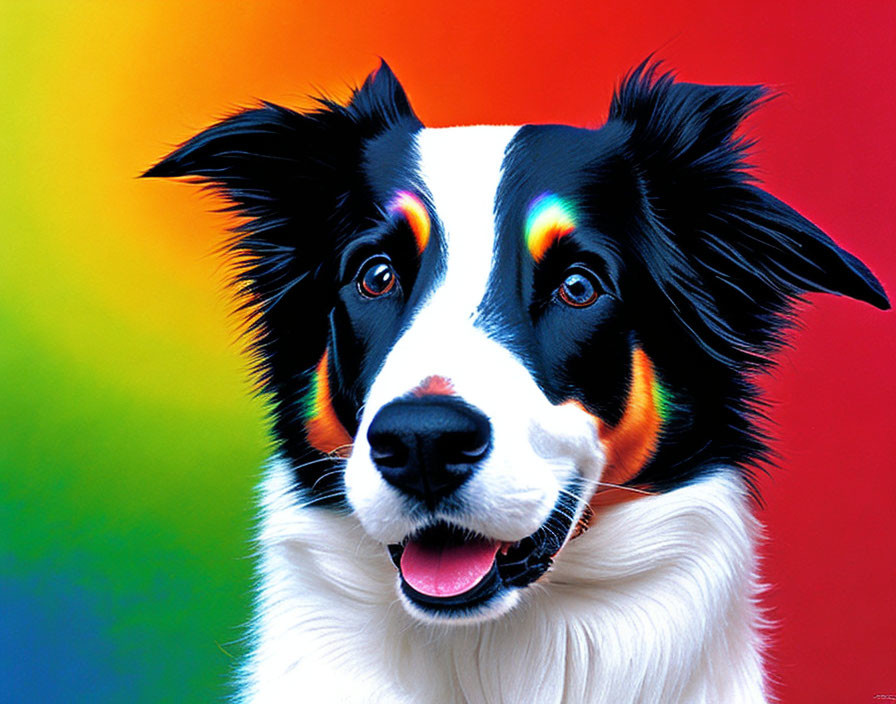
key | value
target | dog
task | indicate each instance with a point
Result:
(512, 374)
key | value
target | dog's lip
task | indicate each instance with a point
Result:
(515, 564)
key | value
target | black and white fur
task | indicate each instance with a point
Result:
(693, 263)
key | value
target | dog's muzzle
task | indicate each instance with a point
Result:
(427, 448)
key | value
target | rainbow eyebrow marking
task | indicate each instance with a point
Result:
(550, 217)
(412, 209)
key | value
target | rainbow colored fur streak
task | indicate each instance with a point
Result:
(550, 217)
(325, 432)
(631, 443)
(442, 524)
(409, 206)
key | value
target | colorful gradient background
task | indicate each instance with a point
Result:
(129, 441)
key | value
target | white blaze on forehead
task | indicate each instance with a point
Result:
(537, 448)
(461, 167)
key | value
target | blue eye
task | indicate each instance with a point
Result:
(579, 289)
(376, 277)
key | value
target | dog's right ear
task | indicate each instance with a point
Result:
(268, 152)
(272, 163)
(295, 179)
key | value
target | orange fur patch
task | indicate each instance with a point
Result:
(632, 441)
(629, 444)
(322, 428)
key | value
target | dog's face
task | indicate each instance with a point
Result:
(483, 328)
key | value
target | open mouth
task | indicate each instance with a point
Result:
(447, 569)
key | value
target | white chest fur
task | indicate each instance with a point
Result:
(654, 604)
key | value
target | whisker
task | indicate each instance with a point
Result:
(325, 475)
(311, 462)
(319, 499)
(334, 452)
(633, 489)
(575, 497)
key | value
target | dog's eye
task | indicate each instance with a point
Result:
(376, 277)
(579, 288)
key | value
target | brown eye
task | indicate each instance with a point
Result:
(376, 277)
(579, 289)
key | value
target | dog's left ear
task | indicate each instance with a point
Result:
(730, 253)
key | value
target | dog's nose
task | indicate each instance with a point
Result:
(428, 447)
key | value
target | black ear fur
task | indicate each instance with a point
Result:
(296, 180)
(730, 257)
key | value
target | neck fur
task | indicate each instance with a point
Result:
(655, 603)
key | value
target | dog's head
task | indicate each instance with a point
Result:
(482, 329)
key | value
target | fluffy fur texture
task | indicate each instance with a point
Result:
(511, 373)
(654, 604)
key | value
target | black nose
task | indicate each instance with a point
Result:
(427, 447)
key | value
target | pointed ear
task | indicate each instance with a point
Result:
(382, 95)
(795, 253)
(262, 160)
(297, 181)
(271, 158)
(736, 255)
(257, 155)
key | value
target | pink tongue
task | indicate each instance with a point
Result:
(447, 571)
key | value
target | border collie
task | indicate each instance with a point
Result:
(513, 383)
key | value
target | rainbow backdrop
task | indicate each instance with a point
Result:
(129, 442)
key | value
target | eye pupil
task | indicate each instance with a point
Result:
(376, 278)
(577, 287)
(578, 290)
